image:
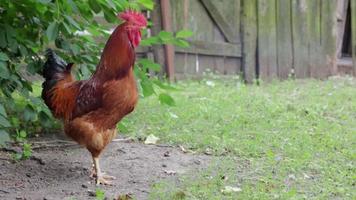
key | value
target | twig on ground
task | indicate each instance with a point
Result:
(130, 139)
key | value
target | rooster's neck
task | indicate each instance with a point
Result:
(117, 58)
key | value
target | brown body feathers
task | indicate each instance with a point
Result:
(90, 109)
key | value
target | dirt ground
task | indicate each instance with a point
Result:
(63, 172)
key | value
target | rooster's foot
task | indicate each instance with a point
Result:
(104, 179)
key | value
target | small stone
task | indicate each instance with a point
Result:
(28, 175)
(166, 154)
(197, 162)
(164, 165)
(84, 186)
(91, 193)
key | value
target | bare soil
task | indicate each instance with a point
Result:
(63, 172)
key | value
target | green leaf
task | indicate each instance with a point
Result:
(72, 22)
(52, 31)
(184, 34)
(3, 57)
(110, 16)
(2, 111)
(3, 42)
(147, 88)
(4, 122)
(95, 6)
(4, 71)
(147, 4)
(23, 50)
(75, 49)
(99, 194)
(65, 28)
(149, 41)
(181, 43)
(165, 36)
(164, 86)
(23, 134)
(166, 99)
(4, 137)
(122, 127)
(149, 64)
(29, 113)
(32, 68)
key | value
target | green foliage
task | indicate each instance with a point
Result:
(99, 194)
(287, 140)
(74, 28)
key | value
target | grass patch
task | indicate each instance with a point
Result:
(296, 138)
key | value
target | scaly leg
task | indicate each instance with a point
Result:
(101, 178)
(92, 171)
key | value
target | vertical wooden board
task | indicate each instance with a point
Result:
(219, 65)
(232, 66)
(178, 20)
(328, 37)
(300, 39)
(230, 9)
(353, 27)
(249, 39)
(206, 64)
(316, 57)
(180, 63)
(158, 51)
(191, 65)
(267, 44)
(341, 15)
(199, 22)
(284, 39)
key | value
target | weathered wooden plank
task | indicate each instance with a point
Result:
(341, 15)
(267, 43)
(232, 66)
(284, 39)
(300, 39)
(316, 57)
(249, 39)
(158, 50)
(212, 48)
(219, 65)
(230, 10)
(328, 38)
(220, 21)
(206, 64)
(199, 21)
(353, 26)
(169, 49)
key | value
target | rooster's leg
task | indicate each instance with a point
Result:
(93, 171)
(101, 178)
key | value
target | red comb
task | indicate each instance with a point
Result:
(133, 17)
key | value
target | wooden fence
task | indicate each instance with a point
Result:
(265, 39)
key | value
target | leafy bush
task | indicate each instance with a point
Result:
(74, 28)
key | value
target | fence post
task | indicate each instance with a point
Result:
(249, 39)
(158, 50)
(353, 26)
(169, 49)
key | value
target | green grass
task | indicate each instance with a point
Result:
(282, 140)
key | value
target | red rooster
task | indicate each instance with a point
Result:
(90, 109)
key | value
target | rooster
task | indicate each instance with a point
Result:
(90, 109)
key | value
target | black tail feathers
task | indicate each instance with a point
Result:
(53, 65)
(54, 69)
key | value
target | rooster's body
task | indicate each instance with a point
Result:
(90, 109)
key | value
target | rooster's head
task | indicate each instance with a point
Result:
(134, 22)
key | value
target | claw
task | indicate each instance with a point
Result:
(93, 173)
(101, 177)
(108, 177)
(105, 180)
